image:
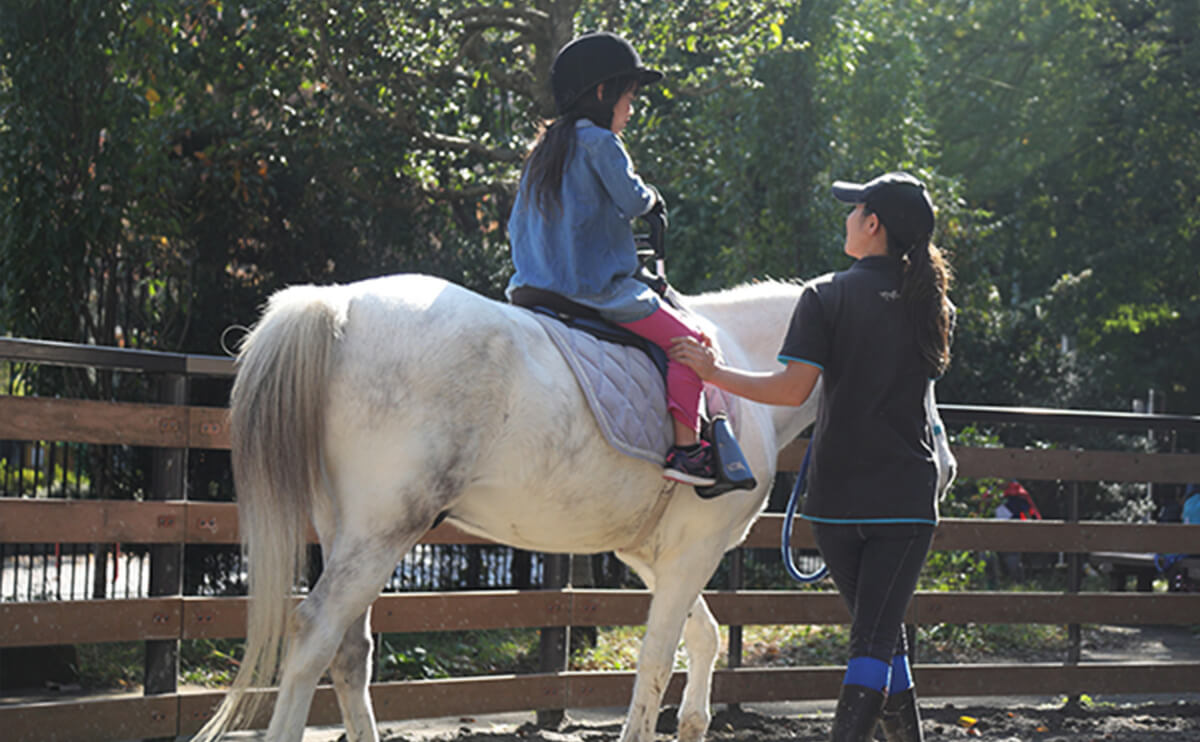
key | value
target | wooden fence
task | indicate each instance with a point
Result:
(168, 522)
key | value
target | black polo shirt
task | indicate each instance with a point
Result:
(873, 458)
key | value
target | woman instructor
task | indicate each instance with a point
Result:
(876, 334)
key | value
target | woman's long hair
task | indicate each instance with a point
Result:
(542, 174)
(924, 284)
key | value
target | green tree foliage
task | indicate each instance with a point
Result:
(1072, 126)
(81, 170)
(245, 147)
(841, 97)
(165, 166)
(459, 93)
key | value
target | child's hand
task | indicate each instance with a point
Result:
(699, 357)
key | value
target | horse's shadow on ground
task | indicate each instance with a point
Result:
(1147, 722)
(728, 725)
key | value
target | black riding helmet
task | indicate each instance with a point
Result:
(591, 59)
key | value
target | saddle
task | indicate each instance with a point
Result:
(578, 317)
(733, 470)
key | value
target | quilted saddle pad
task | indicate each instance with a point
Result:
(623, 387)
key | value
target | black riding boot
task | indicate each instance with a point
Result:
(857, 714)
(901, 721)
(900, 718)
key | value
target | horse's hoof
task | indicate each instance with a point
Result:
(693, 728)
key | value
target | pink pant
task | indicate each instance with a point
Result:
(683, 385)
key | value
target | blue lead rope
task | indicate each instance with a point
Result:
(788, 561)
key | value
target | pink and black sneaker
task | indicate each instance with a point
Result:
(695, 465)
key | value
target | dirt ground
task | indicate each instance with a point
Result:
(1158, 722)
(1155, 718)
(1144, 718)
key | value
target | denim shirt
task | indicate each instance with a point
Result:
(584, 250)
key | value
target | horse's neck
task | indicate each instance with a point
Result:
(753, 317)
(753, 320)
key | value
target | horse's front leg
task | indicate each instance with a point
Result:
(677, 586)
(701, 638)
(351, 672)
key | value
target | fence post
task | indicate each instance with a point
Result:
(736, 582)
(1074, 580)
(553, 640)
(167, 482)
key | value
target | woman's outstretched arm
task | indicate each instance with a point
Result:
(790, 385)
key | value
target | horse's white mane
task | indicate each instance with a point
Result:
(766, 288)
(756, 313)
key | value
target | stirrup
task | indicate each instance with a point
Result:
(733, 472)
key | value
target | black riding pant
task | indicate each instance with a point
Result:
(875, 568)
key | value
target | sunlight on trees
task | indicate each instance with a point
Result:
(166, 165)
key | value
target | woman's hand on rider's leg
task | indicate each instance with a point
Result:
(701, 358)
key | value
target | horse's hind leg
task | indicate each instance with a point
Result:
(351, 671)
(353, 576)
(701, 637)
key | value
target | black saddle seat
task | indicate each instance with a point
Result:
(579, 317)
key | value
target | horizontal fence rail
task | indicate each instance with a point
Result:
(52, 353)
(172, 426)
(170, 523)
(182, 521)
(84, 622)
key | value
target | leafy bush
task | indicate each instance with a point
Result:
(443, 654)
(16, 478)
(209, 662)
(114, 665)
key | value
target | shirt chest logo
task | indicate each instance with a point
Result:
(889, 295)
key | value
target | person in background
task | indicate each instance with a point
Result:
(1179, 577)
(876, 334)
(1017, 504)
(1191, 504)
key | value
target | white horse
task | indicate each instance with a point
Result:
(371, 408)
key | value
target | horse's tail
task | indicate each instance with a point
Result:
(277, 420)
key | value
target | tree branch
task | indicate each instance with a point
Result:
(501, 16)
(519, 27)
(471, 193)
(460, 144)
(403, 120)
(417, 198)
(521, 83)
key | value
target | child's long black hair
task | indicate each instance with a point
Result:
(542, 174)
(924, 284)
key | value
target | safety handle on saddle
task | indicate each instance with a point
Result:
(654, 243)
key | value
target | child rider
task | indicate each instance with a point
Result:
(571, 231)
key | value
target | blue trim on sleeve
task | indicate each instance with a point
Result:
(789, 359)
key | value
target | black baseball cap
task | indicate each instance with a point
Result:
(591, 59)
(899, 199)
